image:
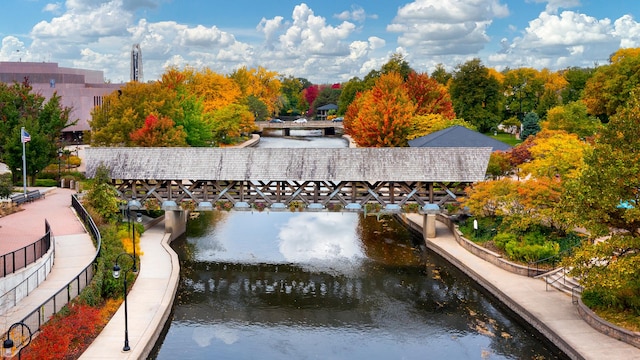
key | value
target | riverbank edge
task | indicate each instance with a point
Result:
(512, 305)
(590, 317)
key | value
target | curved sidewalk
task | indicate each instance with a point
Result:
(149, 302)
(74, 249)
(551, 312)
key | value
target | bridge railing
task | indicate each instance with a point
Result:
(358, 196)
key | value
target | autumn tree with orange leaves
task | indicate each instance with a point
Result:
(381, 117)
(159, 131)
(395, 111)
(429, 96)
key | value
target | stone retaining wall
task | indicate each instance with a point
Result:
(607, 328)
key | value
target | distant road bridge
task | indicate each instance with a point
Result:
(301, 179)
(327, 127)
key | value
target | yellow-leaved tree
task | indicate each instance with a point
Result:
(214, 90)
(555, 153)
(260, 83)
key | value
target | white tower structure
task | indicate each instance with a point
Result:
(136, 63)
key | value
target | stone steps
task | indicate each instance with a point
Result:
(560, 280)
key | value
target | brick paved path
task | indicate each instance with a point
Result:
(24, 227)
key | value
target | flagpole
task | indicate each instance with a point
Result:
(24, 162)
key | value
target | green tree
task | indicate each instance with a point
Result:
(577, 80)
(476, 95)
(441, 75)
(530, 125)
(572, 118)
(523, 88)
(292, 102)
(123, 112)
(5, 185)
(43, 120)
(257, 107)
(612, 282)
(611, 176)
(103, 197)
(397, 64)
(190, 117)
(327, 95)
(231, 122)
(349, 91)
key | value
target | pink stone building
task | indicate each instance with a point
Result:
(79, 89)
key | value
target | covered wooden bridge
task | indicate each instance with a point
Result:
(309, 179)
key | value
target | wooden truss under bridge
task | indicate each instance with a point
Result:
(338, 179)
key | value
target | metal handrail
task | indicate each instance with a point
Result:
(557, 256)
(34, 278)
(62, 297)
(563, 277)
(26, 255)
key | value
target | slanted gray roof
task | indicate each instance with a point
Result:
(332, 164)
(328, 107)
(458, 136)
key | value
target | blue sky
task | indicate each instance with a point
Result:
(323, 41)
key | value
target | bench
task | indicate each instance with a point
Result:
(18, 199)
(34, 195)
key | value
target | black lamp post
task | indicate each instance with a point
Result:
(19, 342)
(59, 161)
(116, 274)
(138, 217)
(133, 238)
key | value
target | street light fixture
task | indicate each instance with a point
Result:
(134, 204)
(116, 275)
(20, 340)
(59, 162)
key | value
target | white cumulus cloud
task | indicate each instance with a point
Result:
(436, 27)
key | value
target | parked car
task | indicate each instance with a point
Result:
(275, 121)
(338, 119)
(300, 121)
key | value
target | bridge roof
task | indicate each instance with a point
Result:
(451, 164)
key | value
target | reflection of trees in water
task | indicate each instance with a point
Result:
(385, 240)
(205, 221)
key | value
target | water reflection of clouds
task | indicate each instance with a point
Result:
(282, 237)
(320, 236)
(202, 336)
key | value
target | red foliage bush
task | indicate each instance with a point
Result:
(66, 335)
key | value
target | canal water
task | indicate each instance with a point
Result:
(310, 285)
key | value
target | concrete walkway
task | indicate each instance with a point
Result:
(552, 310)
(74, 249)
(149, 302)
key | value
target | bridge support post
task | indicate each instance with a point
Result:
(175, 222)
(429, 226)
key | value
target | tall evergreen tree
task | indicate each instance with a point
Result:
(530, 125)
